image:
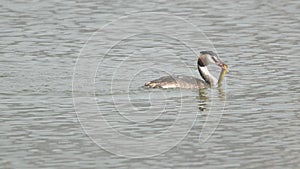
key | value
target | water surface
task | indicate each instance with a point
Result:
(251, 122)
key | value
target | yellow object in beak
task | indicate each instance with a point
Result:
(222, 74)
(225, 67)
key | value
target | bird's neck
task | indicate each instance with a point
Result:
(208, 78)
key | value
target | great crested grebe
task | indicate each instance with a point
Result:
(205, 58)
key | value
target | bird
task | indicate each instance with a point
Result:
(181, 81)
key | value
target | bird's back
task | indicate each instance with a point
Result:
(177, 82)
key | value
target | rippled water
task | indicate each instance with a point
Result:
(52, 67)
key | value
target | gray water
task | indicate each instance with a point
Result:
(72, 76)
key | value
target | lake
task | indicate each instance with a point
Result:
(72, 76)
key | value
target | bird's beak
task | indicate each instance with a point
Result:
(224, 66)
(220, 64)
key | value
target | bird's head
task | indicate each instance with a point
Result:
(210, 57)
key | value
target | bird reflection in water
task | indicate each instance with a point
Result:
(203, 96)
